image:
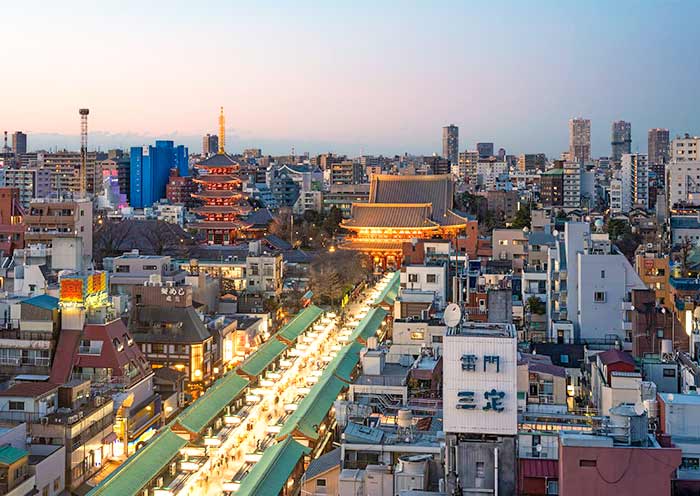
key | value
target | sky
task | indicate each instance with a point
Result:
(348, 76)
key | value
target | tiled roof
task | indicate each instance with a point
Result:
(218, 160)
(29, 389)
(436, 190)
(371, 244)
(145, 325)
(407, 215)
(62, 364)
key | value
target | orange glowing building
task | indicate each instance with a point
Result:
(400, 209)
(219, 188)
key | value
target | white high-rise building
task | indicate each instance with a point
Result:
(683, 172)
(572, 185)
(635, 181)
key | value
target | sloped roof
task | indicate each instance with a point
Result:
(43, 301)
(323, 464)
(390, 291)
(437, 190)
(141, 467)
(200, 413)
(310, 413)
(270, 474)
(190, 330)
(369, 325)
(346, 360)
(615, 356)
(300, 323)
(218, 160)
(407, 215)
(263, 357)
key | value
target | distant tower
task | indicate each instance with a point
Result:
(450, 143)
(620, 140)
(83, 150)
(580, 140)
(222, 131)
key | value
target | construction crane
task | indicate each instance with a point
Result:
(83, 150)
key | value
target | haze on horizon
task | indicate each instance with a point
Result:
(351, 77)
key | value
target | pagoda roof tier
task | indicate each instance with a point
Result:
(218, 160)
(218, 193)
(222, 209)
(217, 178)
(397, 216)
(218, 224)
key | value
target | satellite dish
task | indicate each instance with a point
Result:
(453, 315)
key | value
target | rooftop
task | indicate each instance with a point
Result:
(484, 329)
(29, 389)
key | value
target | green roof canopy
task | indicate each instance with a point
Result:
(369, 324)
(263, 357)
(270, 474)
(9, 454)
(345, 361)
(141, 467)
(300, 323)
(200, 413)
(390, 291)
(314, 408)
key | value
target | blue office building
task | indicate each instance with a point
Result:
(150, 170)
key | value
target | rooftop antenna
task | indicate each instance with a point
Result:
(83, 149)
(222, 131)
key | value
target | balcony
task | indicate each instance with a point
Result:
(626, 325)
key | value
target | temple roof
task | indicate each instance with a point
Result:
(217, 178)
(407, 215)
(360, 244)
(437, 190)
(218, 160)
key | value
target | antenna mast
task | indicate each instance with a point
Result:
(83, 150)
(222, 131)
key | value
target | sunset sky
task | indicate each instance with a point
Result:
(355, 76)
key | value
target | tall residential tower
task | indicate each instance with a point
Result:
(450, 143)
(658, 146)
(580, 140)
(621, 140)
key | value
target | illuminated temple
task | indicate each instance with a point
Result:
(221, 194)
(400, 209)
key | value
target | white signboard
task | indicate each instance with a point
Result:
(480, 385)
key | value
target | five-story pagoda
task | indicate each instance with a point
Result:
(220, 191)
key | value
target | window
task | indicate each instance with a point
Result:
(587, 463)
(157, 348)
(552, 487)
(431, 278)
(564, 358)
(16, 406)
(123, 268)
(56, 483)
(417, 335)
(45, 491)
(412, 277)
(599, 296)
(659, 333)
(150, 267)
(669, 372)
(602, 274)
(690, 463)
(320, 482)
(437, 339)
(503, 242)
(480, 470)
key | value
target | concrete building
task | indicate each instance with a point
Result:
(450, 143)
(466, 166)
(658, 146)
(531, 162)
(264, 271)
(150, 171)
(635, 177)
(48, 219)
(589, 285)
(571, 197)
(19, 143)
(484, 150)
(620, 140)
(480, 408)
(510, 244)
(210, 144)
(346, 172)
(579, 140)
(133, 269)
(552, 188)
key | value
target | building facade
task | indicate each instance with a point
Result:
(450, 143)
(150, 171)
(580, 140)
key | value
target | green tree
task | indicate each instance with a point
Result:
(535, 305)
(523, 217)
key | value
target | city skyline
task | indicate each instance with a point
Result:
(306, 87)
